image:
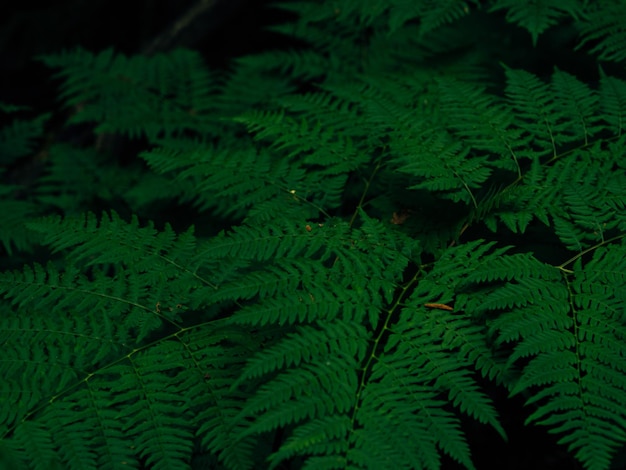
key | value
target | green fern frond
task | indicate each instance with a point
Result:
(566, 342)
(110, 240)
(321, 437)
(613, 102)
(234, 95)
(150, 404)
(314, 131)
(435, 14)
(308, 342)
(535, 108)
(604, 29)
(445, 167)
(250, 185)
(538, 16)
(579, 103)
(157, 96)
(19, 137)
(75, 178)
(483, 123)
(35, 441)
(416, 411)
(316, 389)
(140, 261)
(395, 13)
(13, 217)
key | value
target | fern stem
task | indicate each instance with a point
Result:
(374, 347)
(576, 335)
(584, 252)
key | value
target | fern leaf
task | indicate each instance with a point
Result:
(13, 217)
(485, 124)
(19, 138)
(125, 297)
(307, 342)
(150, 405)
(252, 185)
(566, 343)
(313, 128)
(155, 96)
(537, 16)
(35, 440)
(317, 389)
(432, 15)
(446, 169)
(534, 103)
(613, 102)
(416, 412)
(577, 102)
(75, 438)
(605, 27)
(322, 436)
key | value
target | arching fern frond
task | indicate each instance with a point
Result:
(537, 16)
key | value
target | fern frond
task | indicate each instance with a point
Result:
(534, 104)
(315, 131)
(604, 29)
(613, 102)
(234, 95)
(537, 16)
(485, 124)
(395, 13)
(566, 342)
(251, 184)
(417, 412)
(150, 404)
(19, 137)
(316, 389)
(75, 178)
(323, 438)
(13, 218)
(35, 441)
(579, 103)
(139, 259)
(432, 15)
(308, 342)
(446, 168)
(206, 379)
(156, 96)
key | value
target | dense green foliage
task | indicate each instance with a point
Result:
(394, 220)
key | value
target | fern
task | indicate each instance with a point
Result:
(388, 237)
(537, 16)
(568, 340)
(606, 27)
(17, 140)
